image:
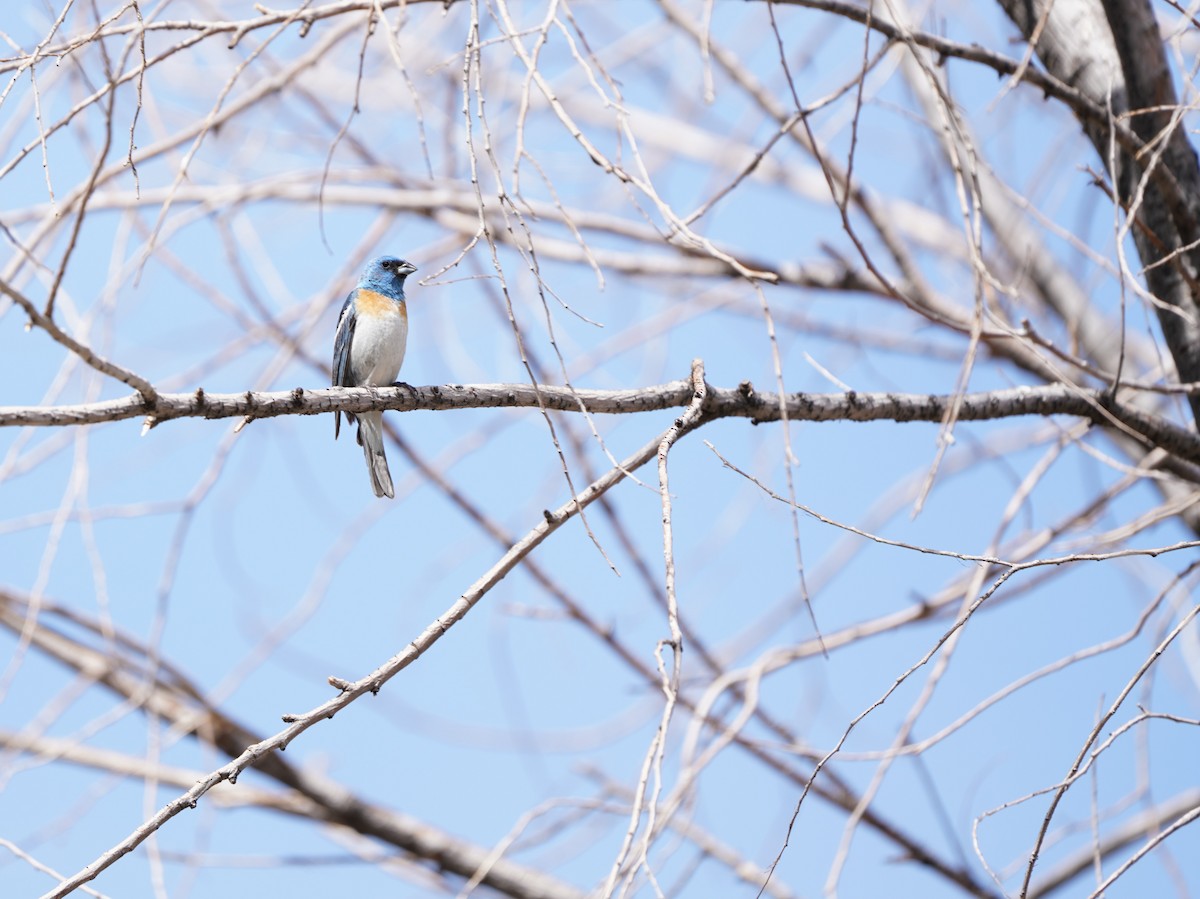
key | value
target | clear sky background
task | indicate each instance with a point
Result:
(259, 563)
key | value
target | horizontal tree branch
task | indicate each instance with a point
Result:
(742, 401)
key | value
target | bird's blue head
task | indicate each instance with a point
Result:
(386, 275)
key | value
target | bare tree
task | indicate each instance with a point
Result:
(828, 653)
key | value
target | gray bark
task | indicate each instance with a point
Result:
(1113, 52)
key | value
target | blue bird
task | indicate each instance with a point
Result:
(368, 351)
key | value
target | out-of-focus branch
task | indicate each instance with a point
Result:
(102, 365)
(61, 749)
(1074, 46)
(248, 100)
(198, 29)
(171, 696)
(1149, 822)
(1049, 83)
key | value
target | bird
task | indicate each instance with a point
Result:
(368, 351)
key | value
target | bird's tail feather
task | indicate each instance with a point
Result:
(370, 435)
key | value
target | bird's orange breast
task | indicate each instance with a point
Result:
(371, 302)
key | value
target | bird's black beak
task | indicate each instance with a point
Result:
(406, 268)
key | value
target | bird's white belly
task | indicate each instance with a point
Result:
(377, 350)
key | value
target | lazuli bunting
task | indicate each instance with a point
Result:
(368, 351)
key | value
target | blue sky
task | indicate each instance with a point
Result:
(518, 705)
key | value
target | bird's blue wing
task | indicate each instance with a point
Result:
(341, 355)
